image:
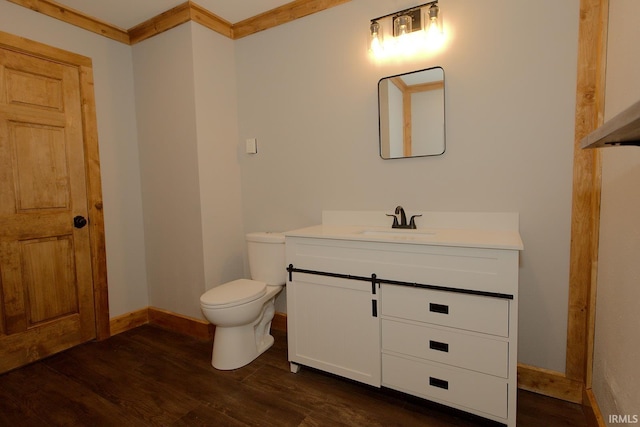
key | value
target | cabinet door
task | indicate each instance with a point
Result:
(333, 326)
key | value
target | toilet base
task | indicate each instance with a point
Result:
(234, 349)
(237, 346)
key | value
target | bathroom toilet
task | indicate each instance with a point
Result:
(242, 310)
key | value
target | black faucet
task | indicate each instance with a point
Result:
(403, 219)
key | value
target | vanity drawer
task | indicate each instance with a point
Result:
(477, 353)
(464, 389)
(483, 314)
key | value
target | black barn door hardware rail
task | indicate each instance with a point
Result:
(376, 280)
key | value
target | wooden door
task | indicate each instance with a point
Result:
(47, 296)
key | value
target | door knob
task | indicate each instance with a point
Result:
(79, 221)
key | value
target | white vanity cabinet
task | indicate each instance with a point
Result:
(451, 348)
(435, 317)
(335, 329)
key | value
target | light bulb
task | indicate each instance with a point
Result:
(434, 24)
(402, 25)
(376, 46)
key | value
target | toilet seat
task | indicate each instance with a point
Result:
(233, 293)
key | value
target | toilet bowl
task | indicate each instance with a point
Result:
(242, 310)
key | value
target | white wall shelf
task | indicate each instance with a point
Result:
(623, 129)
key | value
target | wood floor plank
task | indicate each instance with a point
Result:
(531, 406)
(15, 413)
(206, 416)
(149, 376)
(138, 394)
(57, 400)
(225, 393)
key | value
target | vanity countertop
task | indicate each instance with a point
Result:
(458, 237)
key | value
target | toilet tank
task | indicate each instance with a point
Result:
(266, 257)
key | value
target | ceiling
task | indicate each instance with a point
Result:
(129, 13)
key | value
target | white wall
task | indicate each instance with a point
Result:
(307, 92)
(219, 170)
(164, 87)
(186, 110)
(616, 376)
(115, 106)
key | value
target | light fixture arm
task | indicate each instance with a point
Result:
(402, 12)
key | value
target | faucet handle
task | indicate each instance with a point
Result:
(412, 222)
(395, 221)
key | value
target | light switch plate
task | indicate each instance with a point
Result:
(251, 146)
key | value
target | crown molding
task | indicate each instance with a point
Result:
(185, 12)
(281, 15)
(160, 23)
(76, 18)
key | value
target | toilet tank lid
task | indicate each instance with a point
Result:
(266, 237)
(234, 293)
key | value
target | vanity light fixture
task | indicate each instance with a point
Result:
(407, 34)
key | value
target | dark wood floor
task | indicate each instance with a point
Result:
(149, 376)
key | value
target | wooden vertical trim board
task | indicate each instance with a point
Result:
(95, 204)
(586, 187)
(597, 182)
(407, 141)
(74, 17)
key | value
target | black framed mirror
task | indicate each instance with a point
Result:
(411, 114)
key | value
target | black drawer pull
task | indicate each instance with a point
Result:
(440, 346)
(436, 382)
(438, 308)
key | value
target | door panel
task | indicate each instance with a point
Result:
(49, 278)
(46, 283)
(40, 165)
(44, 91)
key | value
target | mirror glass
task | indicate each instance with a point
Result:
(411, 114)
